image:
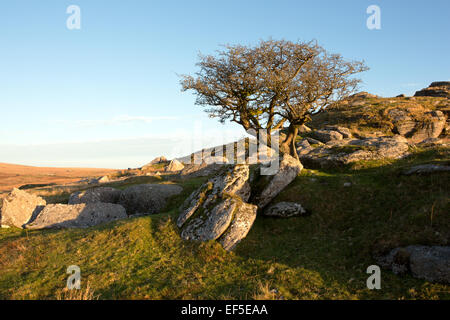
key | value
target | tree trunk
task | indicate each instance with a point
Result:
(288, 144)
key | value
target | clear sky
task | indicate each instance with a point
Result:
(108, 94)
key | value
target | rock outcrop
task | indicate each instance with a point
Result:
(243, 219)
(77, 216)
(200, 170)
(147, 198)
(19, 208)
(174, 165)
(99, 180)
(157, 160)
(362, 95)
(285, 210)
(343, 131)
(332, 133)
(303, 147)
(327, 135)
(342, 152)
(268, 187)
(224, 208)
(436, 89)
(218, 209)
(101, 194)
(416, 123)
(218, 219)
(431, 263)
(232, 181)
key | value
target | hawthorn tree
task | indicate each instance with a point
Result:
(273, 85)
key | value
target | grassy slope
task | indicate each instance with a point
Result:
(323, 256)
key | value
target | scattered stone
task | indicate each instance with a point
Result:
(426, 168)
(347, 184)
(147, 198)
(431, 263)
(327, 135)
(100, 194)
(285, 210)
(174, 165)
(20, 207)
(345, 132)
(77, 216)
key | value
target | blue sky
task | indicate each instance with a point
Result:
(108, 95)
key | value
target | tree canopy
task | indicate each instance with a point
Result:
(274, 85)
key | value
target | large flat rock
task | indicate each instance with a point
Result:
(347, 151)
(77, 215)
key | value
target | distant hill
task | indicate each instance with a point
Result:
(13, 175)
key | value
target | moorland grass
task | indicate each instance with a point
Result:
(321, 256)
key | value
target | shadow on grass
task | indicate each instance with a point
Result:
(380, 209)
(322, 256)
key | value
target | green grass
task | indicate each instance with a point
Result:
(322, 256)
